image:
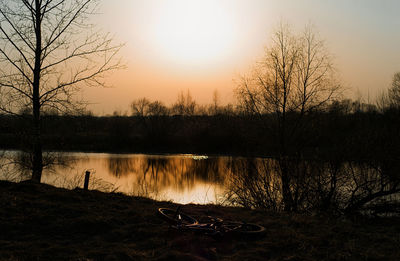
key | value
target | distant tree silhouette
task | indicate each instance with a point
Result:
(140, 107)
(295, 77)
(157, 108)
(47, 53)
(394, 91)
(214, 109)
(185, 105)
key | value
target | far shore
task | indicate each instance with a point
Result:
(147, 152)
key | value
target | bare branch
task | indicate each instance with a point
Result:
(44, 62)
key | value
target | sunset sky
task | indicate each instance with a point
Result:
(176, 45)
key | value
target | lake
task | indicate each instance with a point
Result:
(249, 182)
(178, 178)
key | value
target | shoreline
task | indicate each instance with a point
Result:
(42, 222)
(147, 152)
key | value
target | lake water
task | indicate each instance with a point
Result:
(203, 179)
(178, 178)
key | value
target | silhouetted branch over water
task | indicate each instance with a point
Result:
(48, 52)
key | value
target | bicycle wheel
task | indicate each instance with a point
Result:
(175, 217)
(243, 229)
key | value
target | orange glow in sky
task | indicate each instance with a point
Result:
(205, 45)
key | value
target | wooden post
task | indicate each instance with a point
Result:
(87, 176)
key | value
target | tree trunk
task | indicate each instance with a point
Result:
(37, 164)
(285, 179)
(283, 158)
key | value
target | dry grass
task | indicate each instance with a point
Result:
(40, 222)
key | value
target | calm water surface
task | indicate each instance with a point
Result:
(179, 178)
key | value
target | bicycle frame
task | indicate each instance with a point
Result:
(217, 227)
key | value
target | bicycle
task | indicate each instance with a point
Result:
(217, 228)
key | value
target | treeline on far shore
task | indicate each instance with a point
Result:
(343, 129)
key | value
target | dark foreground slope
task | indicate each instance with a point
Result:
(40, 222)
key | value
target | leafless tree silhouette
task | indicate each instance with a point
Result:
(295, 77)
(185, 105)
(394, 91)
(140, 107)
(48, 51)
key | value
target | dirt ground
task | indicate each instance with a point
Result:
(41, 222)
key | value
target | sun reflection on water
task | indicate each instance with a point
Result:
(177, 178)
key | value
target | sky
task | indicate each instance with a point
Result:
(206, 45)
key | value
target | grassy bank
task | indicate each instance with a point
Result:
(40, 222)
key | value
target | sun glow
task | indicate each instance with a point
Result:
(194, 32)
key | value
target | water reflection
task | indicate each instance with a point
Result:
(336, 186)
(152, 175)
(159, 167)
(180, 178)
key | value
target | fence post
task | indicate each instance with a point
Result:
(87, 176)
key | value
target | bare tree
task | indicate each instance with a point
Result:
(140, 107)
(48, 52)
(157, 108)
(316, 83)
(394, 91)
(391, 97)
(295, 77)
(185, 105)
(143, 108)
(214, 108)
(382, 101)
